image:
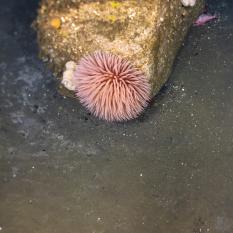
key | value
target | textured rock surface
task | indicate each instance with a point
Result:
(148, 33)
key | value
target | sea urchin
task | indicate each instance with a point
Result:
(110, 87)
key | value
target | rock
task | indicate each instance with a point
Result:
(147, 33)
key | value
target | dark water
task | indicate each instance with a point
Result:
(170, 171)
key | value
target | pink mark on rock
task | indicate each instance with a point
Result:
(204, 18)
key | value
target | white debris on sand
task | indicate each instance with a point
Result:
(67, 78)
(188, 3)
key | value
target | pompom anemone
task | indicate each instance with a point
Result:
(110, 87)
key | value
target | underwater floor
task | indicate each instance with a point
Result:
(170, 171)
